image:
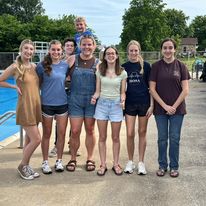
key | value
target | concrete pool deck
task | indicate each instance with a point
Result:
(81, 188)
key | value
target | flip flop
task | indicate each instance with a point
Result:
(174, 173)
(102, 170)
(90, 165)
(117, 170)
(71, 165)
(161, 172)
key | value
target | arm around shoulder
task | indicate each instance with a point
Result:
(70, 60)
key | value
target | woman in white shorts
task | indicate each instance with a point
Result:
(110, 89)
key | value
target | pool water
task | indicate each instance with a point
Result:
(8, 98)
(8, 101)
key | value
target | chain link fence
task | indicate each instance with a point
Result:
(7, 58)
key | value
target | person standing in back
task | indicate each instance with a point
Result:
(81, 30)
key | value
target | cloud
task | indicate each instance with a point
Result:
(103, 16)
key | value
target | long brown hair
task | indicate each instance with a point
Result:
(141, 61)
(47, 62)
(104, 66)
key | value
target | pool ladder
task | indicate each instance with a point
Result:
(7, 115)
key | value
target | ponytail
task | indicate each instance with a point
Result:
(47, 62)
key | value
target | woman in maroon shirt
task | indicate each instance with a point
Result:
(169, 88)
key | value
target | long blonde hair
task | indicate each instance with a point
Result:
(141, 60)
(20, 68)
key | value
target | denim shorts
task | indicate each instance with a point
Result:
(136, 109)
(107, 109)
(51, 111)
(80, 106)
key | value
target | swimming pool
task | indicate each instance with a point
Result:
(8, 101)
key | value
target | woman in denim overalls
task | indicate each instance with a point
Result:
(80, 109)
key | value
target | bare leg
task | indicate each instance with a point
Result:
(61, 131)
(90, 137)
(26, 141)
(102, 127)
(47, 128)
(142, 130)
(76, 125)
(32, 133)
(116, 142)
(130, 127)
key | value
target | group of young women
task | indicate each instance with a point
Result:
(99, 90)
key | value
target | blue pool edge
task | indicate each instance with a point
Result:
(9, 140)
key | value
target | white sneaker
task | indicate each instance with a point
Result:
(32, 172)
(141, 169)
(45, 167)
(58, 166)
(53, 152)
(129, 167)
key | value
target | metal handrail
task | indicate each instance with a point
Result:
(7, 115)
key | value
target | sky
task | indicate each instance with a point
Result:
(105, 16)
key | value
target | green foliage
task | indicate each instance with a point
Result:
(149, 22)
(198, 26)
(24, 10)
(145, 22)
(44, 29)
(10, 29)
(177, 22)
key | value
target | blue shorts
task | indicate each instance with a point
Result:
(107, 109)
(136, 109)
(51, 111)
(80, 106)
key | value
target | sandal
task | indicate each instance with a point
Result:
(174, 173)
(71, 165)
(117, 169)
(90, 165)
(161, 172)
(102, 170)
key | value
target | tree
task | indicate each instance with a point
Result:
(44, 29)
(145, 21)
(198, 26)
(10, 30)
(24, 10)
(177, 22)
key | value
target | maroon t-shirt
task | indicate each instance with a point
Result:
(168, 79)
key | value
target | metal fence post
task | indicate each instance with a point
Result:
(21, 138)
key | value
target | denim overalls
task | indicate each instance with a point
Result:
(83, 85)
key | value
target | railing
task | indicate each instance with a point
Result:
(5, 117)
